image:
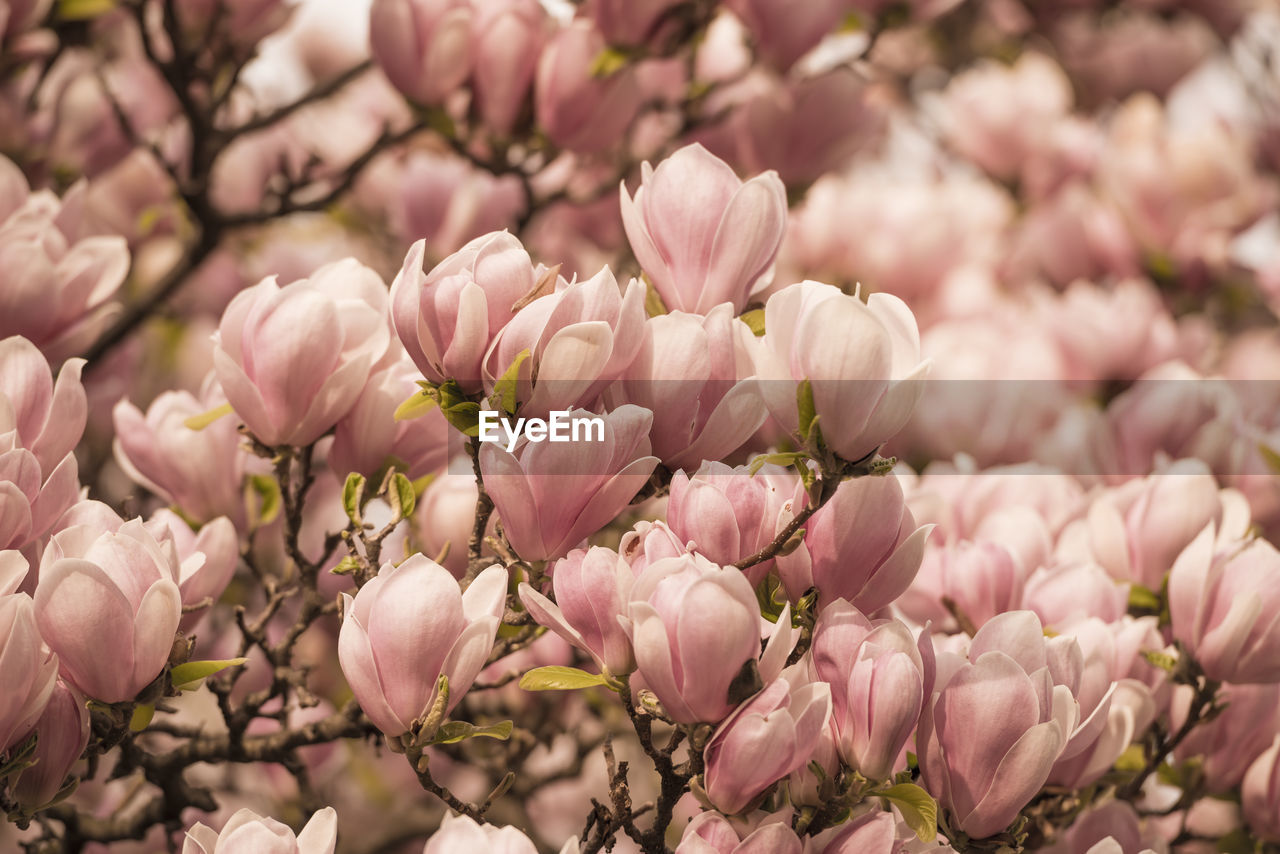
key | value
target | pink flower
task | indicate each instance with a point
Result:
(982, 579)
(507, 38)
(552, 495)
(369, 439)
(292, 361)
(108, 603)
(447, 318)
(460, 834)
(579, 110)
(27, 668)
(409, 626)
(711, 833)
(48, 417)
(863, 546)
(764, 740)
(880, 679)
(592, 589)
(31, 504)
(1229, 743)
(694, 627)
(423, 46)
(248, 831)
(648, 543)
(782, 32)
(729, 513)
(696, 375)
(1138, 530)
(997, 724)
(703, 236)
(1224, 607)
(201, 471)
(861, 359)
(1260, 794)
(208, 560)
(580, 339)
(445, 516)
(62, 733)
(1068, 592)
(57, 286)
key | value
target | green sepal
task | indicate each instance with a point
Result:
(84, 10)
(754, 320)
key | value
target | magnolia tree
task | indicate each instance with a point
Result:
(639, 425)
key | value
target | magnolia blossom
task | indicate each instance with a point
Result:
(580, 338)
(730, 514)
(711, 833)
(447, 318)
(764, 740)
(460, 834)
(292, 360)
(62, 733)
(507, 37)
(579, 110)
(694, 626)
(880, 679)
(592, 590)
(248, 831)
(201, 471)
(696, 375)
(409, 626)
(28, 669)
(551, 495)
(702, 236)
(862, 361)
(997, 724)
(108, 603)
(57, 286)
(1260, 794)
(1223, 605)
(423, 46)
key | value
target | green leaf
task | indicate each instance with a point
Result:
(504, 390)
(754, 320)
(268, 493)
(805, 407)
(204, 419)
(653, 304)
(416, 405)
(1163, 660)
(186, 677)
(84, 10)
(786, 458)
(455, 731)
(400, 494)
(557, 678)
(1271, 455)
(465, 417)
(608, 62)
(1143, 598)
(346, 566)
(353, 496)
(1132, 760)
(918, 809)
(142, 716)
